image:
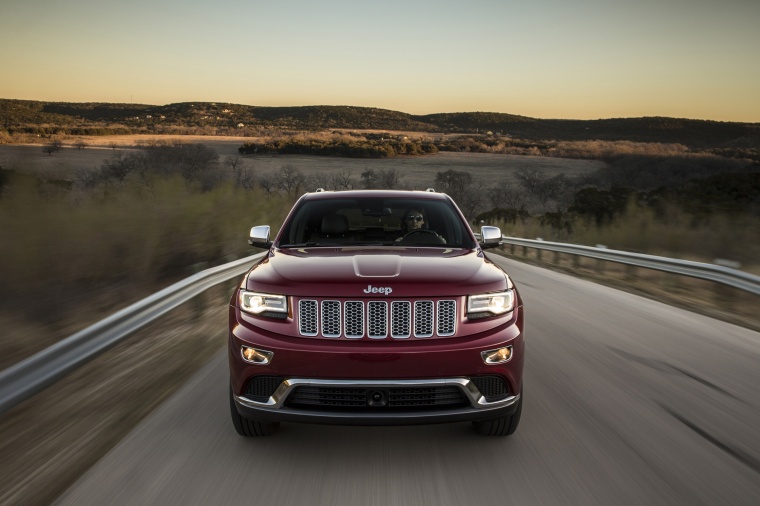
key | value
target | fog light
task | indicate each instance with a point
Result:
(254, 356)
(497, 356)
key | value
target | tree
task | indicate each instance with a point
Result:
(459, 186)
(52, 147)
(343, 180)
(86, 178)
(290, 180)
(369, 179)
(602, 205)
(119, 166)
(455, 183)
(319, 180)
(233, 162)
(80, 144)
(389, 179)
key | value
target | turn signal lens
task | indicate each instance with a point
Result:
(497, 356)
(254, 356)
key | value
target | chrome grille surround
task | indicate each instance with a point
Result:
(307, 317)
(423, 318)
(356, 319)
(447, 318)
(377, 319)
(354, 322)
(331, 318)
(401, 317)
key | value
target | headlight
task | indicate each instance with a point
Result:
(488, 304)
(263, 303)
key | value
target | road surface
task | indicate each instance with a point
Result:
(627, 401)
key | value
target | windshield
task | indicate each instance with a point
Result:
(376, 221)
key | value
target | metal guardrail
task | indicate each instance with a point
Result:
(37, 372)
(710, 272)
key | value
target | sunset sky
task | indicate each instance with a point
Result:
(581, 59)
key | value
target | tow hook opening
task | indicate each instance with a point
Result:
(377, 398)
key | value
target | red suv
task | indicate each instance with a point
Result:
(371, 308)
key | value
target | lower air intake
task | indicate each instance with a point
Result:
(370, 398)
(261, 388)
(493, 388)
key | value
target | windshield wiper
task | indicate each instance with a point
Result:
(307, 245)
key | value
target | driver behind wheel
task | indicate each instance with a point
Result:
(412, 221)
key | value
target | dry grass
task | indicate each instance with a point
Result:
(52, 439)
(418, 172)
(49, 441)
(700, 296)
(71, 257)
(674, 234)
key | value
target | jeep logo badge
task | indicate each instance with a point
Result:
(386, 290)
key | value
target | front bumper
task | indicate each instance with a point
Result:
(453, 363)
(275, 409)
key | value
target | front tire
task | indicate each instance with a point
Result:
(247, 427)
(503, 426)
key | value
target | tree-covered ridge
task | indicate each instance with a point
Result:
(217, 118)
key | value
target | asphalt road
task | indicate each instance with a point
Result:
(627, 401)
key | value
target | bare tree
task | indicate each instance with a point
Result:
(369, 179)
(290, 180)
(246, 180)
(268, 182)
(319, 180)
(460, 187)
(86, 178)
(506, 196)
(52, 147)
(120, 166)
(343, 180)
(530, 178)
(80, 144)
(233, 162)
(389, 179)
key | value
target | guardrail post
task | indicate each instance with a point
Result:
(630, 272)
(232, 284)
(600, 262)
(199, 301)
(724, 295)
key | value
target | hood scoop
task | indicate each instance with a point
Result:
(377, 266)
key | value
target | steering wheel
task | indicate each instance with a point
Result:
(423, 231)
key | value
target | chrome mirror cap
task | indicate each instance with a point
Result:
(259, 237)
(490, 237)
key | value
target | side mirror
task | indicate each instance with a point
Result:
(490, 237)
(259, 237)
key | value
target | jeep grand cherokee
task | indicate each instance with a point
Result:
(375, 307)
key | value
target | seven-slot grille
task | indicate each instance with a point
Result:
(399, 319)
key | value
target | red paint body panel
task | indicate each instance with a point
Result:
(345, 272)
(325, 280)
(322, 358)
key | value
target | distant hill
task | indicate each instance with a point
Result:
(223, 118)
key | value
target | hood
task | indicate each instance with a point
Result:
(372, 272)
